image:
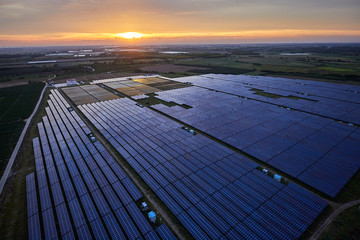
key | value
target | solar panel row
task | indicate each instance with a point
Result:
(82, 191)
(212, 189)
(306, 146)
(328, 99)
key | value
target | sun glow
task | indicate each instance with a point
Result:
(130, 35)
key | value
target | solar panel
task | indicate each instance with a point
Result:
(151, 236)
(213, 217)
(90, 182)
(205, 224)
(49, 224)
(68, 189)
(165, 233)
(34, 230)
(118, 170)
(100, 202)
(216, 166)
(98, 229)
(132, 189)
(45, 201)
(113, 227)
(57, 194)
(63, 219)
(69, 235)
(127, 224)
(139, 218)
(100, 178)
(191, 226)
(89, 207)
(76, 213)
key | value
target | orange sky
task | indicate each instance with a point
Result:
(84, 22)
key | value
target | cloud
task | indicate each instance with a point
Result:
(16, 10)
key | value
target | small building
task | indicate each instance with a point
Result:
(277, 177)
(152, 216)
(144, 206)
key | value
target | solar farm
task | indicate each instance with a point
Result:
(141, 86)
(206, 162)
(88, 94)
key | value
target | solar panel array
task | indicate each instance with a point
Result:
(317, 150)
(338, 101)
(212, 190)
(143, 86)
(116, 79)
(83, 193)
(88, 94)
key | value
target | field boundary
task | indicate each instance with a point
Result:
(9, 165)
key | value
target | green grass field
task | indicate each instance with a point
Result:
(16, 105)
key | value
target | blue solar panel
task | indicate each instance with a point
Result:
(72, 168)
(83, 232)
(220, 166)
(100, 178)
(34, 230)
(113, 227)
(63, 219)
(32, 204)
(68, 236)
(118, 170)
(229, 205)
(98, 229)
(89, 207)
(127, 224)
(68, 189)
(139, 218)
(191, 226)
(258, 229)
(151, 236)
(57, 194)
(53, 178)
(213, 217)
(158, 177)
(132, 189)
(180, 199)
(90, 182)
(100, 202)
(76, 213)
(122, 193)
(63, 172)
(79, 185)
(49, 224)
(30, 183)
(41, 178)
(246, 232)
(165, 233)
(203, 184)
(166, 173)
(45, 201)
(222, 211)
(169, 201)
(187, 192)
(205, 224)
(233, 235)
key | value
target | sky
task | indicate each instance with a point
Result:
(92, 22)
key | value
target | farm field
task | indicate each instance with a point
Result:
(322, 62)
(16, 105)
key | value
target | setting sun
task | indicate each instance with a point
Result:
(130, 35)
